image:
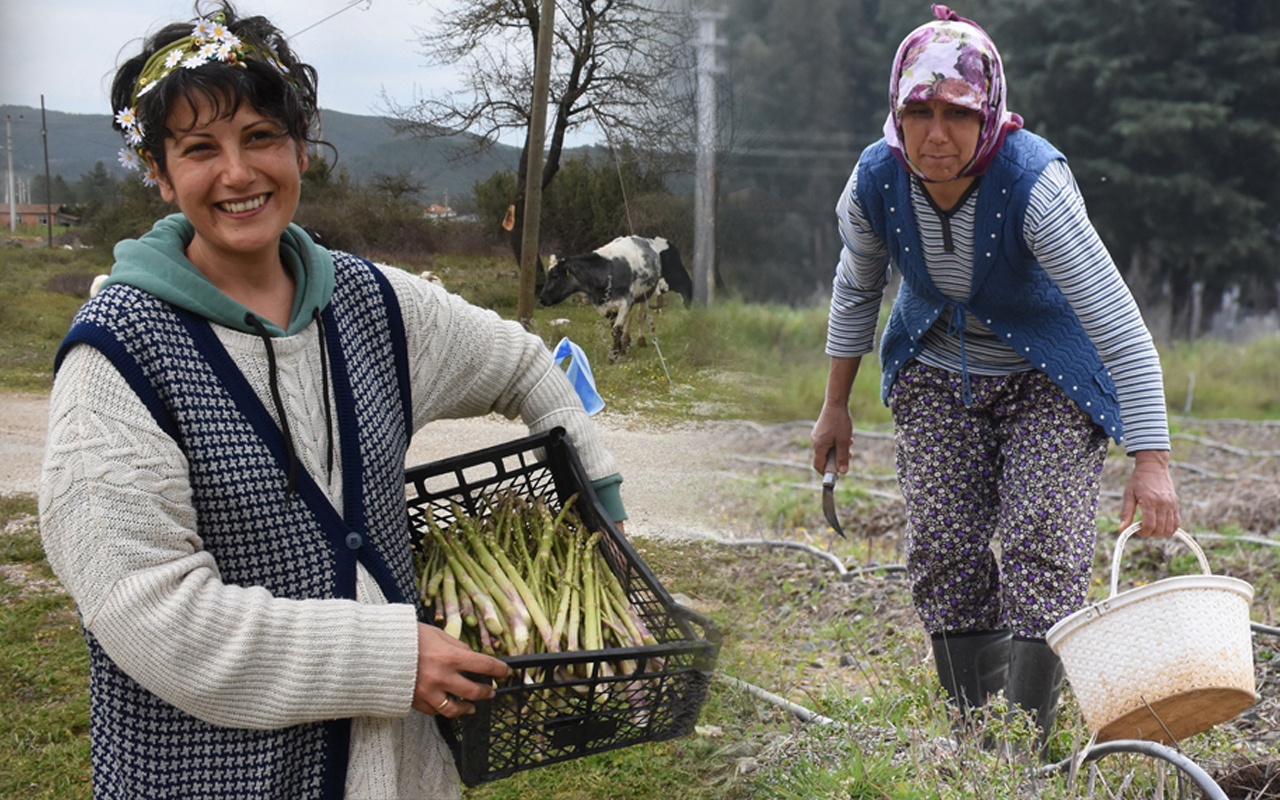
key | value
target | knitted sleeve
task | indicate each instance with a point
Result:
(466, 361)
(120, 532)
(1059, 233)
(861, 277)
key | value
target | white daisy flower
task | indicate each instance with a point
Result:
(150, 178)
(219, 31)
(208, 52)
(129, 158)
(195, 61)
(203, 29)
(226, 51)
(126, 118)
(133, 137)
(172, 60)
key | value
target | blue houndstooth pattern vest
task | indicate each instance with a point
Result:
(296, 546)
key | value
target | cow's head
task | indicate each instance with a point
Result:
(560, 283)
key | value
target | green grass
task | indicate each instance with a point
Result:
(733, 360)
(43, 673)
(42, 289)
(763, 363)
(1223, 380)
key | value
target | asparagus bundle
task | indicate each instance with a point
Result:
(521, 580)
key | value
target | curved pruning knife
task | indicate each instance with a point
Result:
(829, 493)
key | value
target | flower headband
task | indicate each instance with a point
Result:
(210, 42)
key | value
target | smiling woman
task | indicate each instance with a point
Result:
(237, 179)
(223, 494)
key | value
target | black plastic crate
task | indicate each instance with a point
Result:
(538, 719)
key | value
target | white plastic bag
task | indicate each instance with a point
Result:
(579, 374)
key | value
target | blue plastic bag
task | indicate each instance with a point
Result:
(579, 374)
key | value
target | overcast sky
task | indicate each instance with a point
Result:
(67, 50)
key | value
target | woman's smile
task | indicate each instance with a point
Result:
(243, 206)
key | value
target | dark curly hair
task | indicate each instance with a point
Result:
(288, 97)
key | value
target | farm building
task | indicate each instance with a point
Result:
(38, 214)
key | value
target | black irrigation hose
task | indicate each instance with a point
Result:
(1154, 749)
(849, 575)
(1258, 627)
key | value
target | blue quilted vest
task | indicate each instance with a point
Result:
(1010, 291)
(295, 545)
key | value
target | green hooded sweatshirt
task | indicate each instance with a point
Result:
(157, 263)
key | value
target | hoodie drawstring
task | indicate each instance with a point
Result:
(324, 377)
(290, 452)
(955, 327)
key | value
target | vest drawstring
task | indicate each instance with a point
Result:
(955, 327)
(324, 386)
(292, 455)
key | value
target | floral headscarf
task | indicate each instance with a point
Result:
(951, 59)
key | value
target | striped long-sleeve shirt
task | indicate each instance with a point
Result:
(1058, 232)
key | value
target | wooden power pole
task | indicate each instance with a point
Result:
(704, 191)
(533, 184)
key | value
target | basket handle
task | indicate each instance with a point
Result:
(1179, 534)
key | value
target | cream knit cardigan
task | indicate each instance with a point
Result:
(120, 532)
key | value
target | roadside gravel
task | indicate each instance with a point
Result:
(672, 475)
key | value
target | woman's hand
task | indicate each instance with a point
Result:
(1150, 488)
(834, 428)
(441, 687)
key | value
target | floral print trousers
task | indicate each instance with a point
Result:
(1022, 464)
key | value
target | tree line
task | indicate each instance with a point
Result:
(1164, 109)
(599, 195)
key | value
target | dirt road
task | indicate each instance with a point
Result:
(671, 475)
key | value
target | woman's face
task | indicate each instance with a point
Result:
(236, 178)
(940, 137)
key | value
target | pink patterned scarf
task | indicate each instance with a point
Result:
(951, 59)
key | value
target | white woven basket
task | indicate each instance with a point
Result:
(1161, 661)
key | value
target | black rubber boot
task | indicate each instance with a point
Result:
(972, 666)
(1035, 683)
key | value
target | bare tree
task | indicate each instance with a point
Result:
(621, 65)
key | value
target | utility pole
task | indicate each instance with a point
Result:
(533, 184)
(13, 198)
(704, 192)
(48, 182)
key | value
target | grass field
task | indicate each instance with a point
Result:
(850, 650)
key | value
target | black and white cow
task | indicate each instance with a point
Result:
(628, 270)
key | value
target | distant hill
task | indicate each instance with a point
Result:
(366, 146)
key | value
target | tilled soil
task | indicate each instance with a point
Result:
(1227, 474)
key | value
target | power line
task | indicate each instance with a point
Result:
(331, 16)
